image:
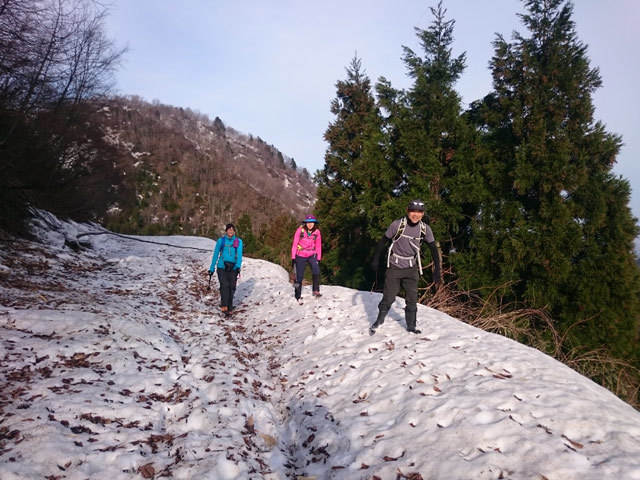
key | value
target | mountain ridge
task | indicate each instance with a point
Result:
(186, 174)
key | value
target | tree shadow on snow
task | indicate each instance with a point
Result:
(316, 440)
(243, 290)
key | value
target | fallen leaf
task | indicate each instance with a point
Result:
(147, 471)
(361, 398)
(392, 459)
(574, 443)
(268, 440)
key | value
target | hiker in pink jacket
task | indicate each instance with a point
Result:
(306, 248)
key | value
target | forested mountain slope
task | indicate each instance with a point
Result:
(184, 173)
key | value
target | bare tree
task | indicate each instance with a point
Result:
(54, 58)
(52, 53)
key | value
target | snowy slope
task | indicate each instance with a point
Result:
(114, 363)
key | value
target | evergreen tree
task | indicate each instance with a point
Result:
(355, 181)
(430, 138)
(245, 231)
(557, 232)
(274, 240)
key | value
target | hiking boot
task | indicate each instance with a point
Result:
(379, 321)
(410, 317)
(317, 294)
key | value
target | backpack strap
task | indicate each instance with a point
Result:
(314, 235)
(234, 245)
(400, 233)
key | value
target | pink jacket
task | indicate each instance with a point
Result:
(305, 244)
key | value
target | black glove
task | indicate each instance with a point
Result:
(293, 263)
(374, 265)
(210, 273)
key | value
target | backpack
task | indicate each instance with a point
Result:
(314, 235)
(228, 266)
(400, 233)
(403, 225)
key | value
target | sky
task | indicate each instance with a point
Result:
(269, 68)
(116, 363)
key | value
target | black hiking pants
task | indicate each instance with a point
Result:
(394, 278)
(228, 282)
(301, 264)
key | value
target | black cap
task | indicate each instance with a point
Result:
(416, 205)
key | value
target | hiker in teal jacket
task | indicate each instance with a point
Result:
(227, 260)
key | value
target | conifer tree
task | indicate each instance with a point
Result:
(430, 139)
(355, 181)
(558, 232)
(245, 231)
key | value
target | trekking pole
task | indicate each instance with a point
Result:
(209, 284)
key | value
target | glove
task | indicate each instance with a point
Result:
(437, 278)
(293, 263)
(210, 273)
(374, 265)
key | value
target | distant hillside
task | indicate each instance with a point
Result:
(185, 173)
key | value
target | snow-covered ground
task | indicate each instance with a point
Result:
(115, 363)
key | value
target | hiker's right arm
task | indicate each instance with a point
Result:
(214, 260)
(294, 245)
(380, 247)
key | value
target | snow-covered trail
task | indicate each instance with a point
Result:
(114, 361)
(138, 335)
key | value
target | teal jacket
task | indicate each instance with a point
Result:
(227, 250)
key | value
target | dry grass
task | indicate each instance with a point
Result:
(535, 328)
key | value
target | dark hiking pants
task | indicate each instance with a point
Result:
(301, 263)
(394, 278)
(228, 282)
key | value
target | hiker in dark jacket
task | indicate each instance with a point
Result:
(307, 248)
(227, 260)
(403, 263)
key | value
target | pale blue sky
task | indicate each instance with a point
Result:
(269, 68)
